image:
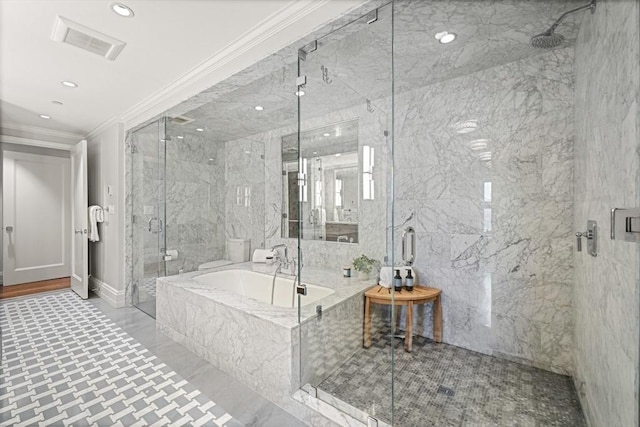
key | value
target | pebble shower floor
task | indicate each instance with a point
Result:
(64, 362)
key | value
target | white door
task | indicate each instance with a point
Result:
(36, 219)
(79, 221)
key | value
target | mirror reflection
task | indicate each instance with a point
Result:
(321, 174)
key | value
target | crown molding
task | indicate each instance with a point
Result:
(102, 127)
(44, 132)
(35, 142)
(185, 87)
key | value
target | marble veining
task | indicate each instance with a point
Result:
(607, 165)
(258, 343)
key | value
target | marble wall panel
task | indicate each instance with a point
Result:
(498, 253)
(244, 191)
(194, 202)
(607, 175)
(258, 352)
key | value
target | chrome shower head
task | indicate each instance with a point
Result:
(550, 38)
(547, 40)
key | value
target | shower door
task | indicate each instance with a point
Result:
(148, 197)
(344, 157)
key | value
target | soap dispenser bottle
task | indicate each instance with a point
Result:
(397, 281)
(409, 281)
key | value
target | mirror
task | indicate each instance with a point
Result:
(324, 180)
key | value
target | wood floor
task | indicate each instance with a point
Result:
(34, 287)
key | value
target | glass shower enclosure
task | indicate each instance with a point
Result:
(345, 123)
(148, 224)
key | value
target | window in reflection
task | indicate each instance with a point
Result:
(487, 192)
(247, 196)
(239, 196)
(487, 219)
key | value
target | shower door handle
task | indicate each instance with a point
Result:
(408, 246)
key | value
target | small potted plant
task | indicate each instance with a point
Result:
(363, 265)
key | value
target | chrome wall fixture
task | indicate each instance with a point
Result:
(592, 238)
(625, 224)
(408, 246)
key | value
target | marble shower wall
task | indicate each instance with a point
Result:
(607, 175)
(195, 170)
(484, 173)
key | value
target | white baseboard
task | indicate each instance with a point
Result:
(108, 293)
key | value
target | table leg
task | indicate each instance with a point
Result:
(408, 337)
(437, 319)
(367, 323)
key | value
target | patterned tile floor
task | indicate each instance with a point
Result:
(149, 286)
(64, 362)
(442, 385)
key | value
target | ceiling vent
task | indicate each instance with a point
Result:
(69, 32)
(181, 120)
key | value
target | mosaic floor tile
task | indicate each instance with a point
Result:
(64, 362)
(444, 385)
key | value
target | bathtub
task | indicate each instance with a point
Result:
(226, 317)
(259, 287)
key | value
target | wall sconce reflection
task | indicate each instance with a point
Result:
(368, 185)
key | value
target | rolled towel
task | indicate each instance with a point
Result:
(260, 255)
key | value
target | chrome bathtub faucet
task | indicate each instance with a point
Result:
(285, 265)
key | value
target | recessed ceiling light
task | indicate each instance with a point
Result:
(326, 134)
(200, 130)
(485, 156)
(315, 152)
(211, 160)
(445, 37)
(67, 83)
(122, 10)
(44, 116)
(338, 154)
(299, 93)
(57, 102)
(247, 152)
(180, 137)
(258, 108)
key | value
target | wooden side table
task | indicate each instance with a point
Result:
(419, 295)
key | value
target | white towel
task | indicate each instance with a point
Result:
(96, 215)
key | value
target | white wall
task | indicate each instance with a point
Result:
(106, 168)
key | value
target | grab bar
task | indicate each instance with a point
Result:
(408, 245)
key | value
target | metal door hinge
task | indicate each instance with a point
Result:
(372, 16)
(306, 49)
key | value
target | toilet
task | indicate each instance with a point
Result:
(238, 251)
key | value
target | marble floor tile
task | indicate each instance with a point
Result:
(444, 385)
